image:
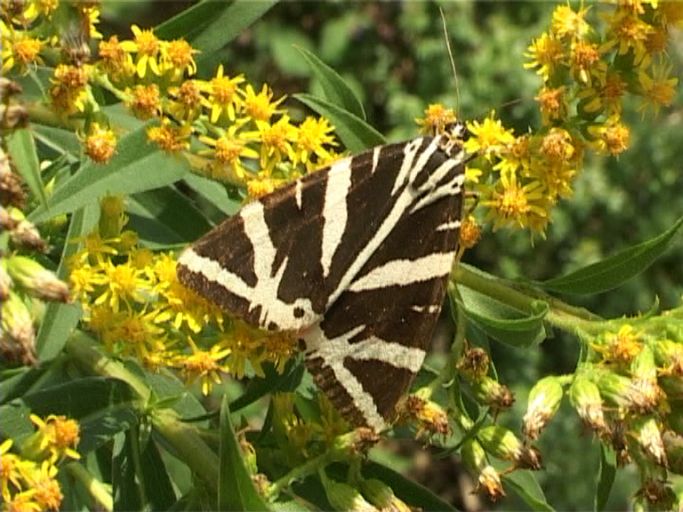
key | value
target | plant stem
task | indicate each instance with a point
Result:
(96, 489)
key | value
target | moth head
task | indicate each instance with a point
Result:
(453, 136)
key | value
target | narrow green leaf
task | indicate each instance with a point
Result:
(191, 21)
(60, 319)
(61, 142)
(605, 480)
(411, 492)
(163, 217)
(158, 487)
(22, 149)
(502, 322)
(355, 133)
(336, 90)
(271, 382)
(213, 192)
(235, 489)
(525, 485)
(615, 270)
(137, 166)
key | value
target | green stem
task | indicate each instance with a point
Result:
(98, 491)
(183, 439)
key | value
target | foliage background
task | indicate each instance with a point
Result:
(394, 55)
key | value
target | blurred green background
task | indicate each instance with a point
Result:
(394, 55)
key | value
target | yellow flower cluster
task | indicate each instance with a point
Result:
(28, 481)
(135, 305)
(587, 65)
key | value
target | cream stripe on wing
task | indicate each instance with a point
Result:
(405, 272)
(335, 212)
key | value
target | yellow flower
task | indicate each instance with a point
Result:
(169, 137)
(513, 204)
(68, 91)
(178, 56)
(546, 53)
(116, 62)
(470, 232)
(585, 61)
(100, 144)
(56, 437)
(557, 146)
(629, 33)
(187, 101)
(145, 101)
(568, 23)
(552, 104)
(620, 347)
(259, 106)
(47, 492)
(611, 137)
(224, 95)
(488, 137)
(228, 151)
(137, 333)
(437, 118)
(19, 49)
(276, 141)
(311, 138)
(147, 47)
(606, 95)
(657, 90)
(121, 283)
(205, 365)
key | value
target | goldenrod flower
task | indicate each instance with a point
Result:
(68, 91)
(552, 103)
(629, 33)
(546, 53)
(186, 102)
(55, 439)
(658, 89)
(569, 23)
(169, 137)
(121, 283)
(147, 47)
(100, 144)
(205, 365)
(470, 232)
(513, 204)
(46, 490)
(611, 137)
(178, 57)
(313, 135)
(224, 95)
(585, 61)
(145, 101)
(488, 136)
(436, 119)
(259, 106)
(115, 61)
(228, 152)
(557, 146)
(19, 49)
(276, 141)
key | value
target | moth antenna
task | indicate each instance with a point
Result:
(452, 61)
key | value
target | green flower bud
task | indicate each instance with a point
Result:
(488, 479)
(504, 444)
(492, 393)
(643, 365)
(669, 356)
(17, 337)
(544, 401)
(38, 281)
(343, 497)
(585, 398)
(380, 495)
(649, 438)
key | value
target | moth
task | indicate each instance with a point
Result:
(354, 259)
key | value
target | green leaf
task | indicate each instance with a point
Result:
(605, 480)
(158, 487)
(213, 192)
(615, 270)
(407, 490)
(61, 142)
(525, 485)
(235, 489)
(164, 217)
(22, 149)
(355, 133)
(272, 381)
(137, 166)
(502, 322)
(336, 90)
(61, 319)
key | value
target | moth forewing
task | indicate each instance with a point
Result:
(355, 258)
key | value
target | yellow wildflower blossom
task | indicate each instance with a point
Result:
(513, 204)
(19, 50)
(68, 91)
(313, 135)
(259, 106)
(205, 365)
(488, 136)
(437, 118)
(629, 33)
(276, 141)
(546, 53)
(569, 23)
(186, 102)
(178, 57)
(121, 283)
(145, 101)
(55, 439)
(658, 89)
(557, 146)
(228, 152)
(612, 136)
(585, 61)
(552, 103)
(147, 47)
(100, 144)
(169, 137)
(46, 490)
(115, 61)
(224, 95)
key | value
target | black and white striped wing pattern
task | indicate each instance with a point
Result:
(355, 258)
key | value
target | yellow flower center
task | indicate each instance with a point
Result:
(556, 146)
(145, 101)
(228, 150)
(133, 330)
(47, 493)
(513, 202)
(66, 432)
(188, 94)
(147, 43)
(179, 52)
(584, 55)
(200, 362)
(223, 89)
(26, 50)
(123, 278)
(617, 138)
(112, 51)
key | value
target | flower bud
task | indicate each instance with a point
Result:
(17, 337)
(504, 444)
(429, 415)
(11, 190)
(38, 281)
(490, 392)
(649, 438)
(585, 398)
(343, 497)
(544, 401)
(13, 117)
(669, 357)
(23, 232)
(382, 496)
(643, 365)
(673, 446)
(488, 479)
(474, 364)
(5, 282)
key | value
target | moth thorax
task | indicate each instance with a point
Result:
(453, 137)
